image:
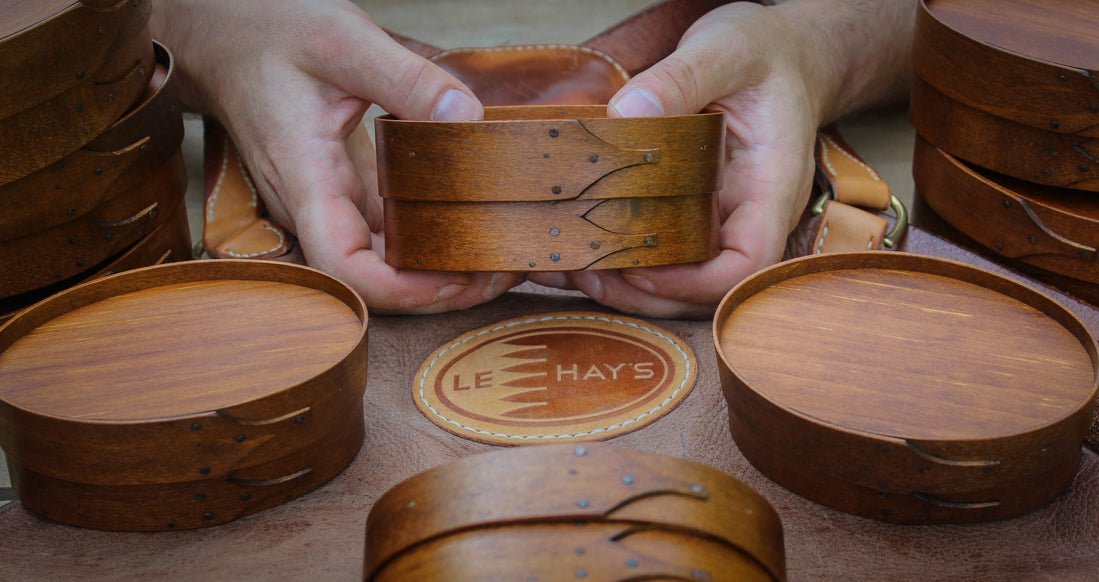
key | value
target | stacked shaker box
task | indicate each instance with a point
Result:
(573, 512)
(91, 176)
(1006, 105)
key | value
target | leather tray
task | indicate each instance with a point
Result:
(127, 404)
(167, 243)
(557, 512)
(1056, 230)
(79, 65)
(1029, 61)
(550, 188)
(1004, 146)
(977, 413)
(114, 162)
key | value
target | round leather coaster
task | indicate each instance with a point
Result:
(554, 377)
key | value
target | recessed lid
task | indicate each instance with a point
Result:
(883, 344)
(1056, 31)
(180, 343)
(23, 14)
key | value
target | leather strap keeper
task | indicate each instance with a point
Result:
(847, 182)
(52, 129)
(51, 53)
(565, 484)
(116, 161)
(525, 154)
(45, 257)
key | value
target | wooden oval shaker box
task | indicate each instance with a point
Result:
(1011, 86)
(550, 188)
(71, 69)
(906, 388)
(566, 512)
(1053, 229)
(183, 395)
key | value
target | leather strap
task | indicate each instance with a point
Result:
(848, 181)
(115, 162)
(233, 209)
(236, 225)
(49, 256)
(565, 484)
(51, 53)
(549, 153)
(52, 129)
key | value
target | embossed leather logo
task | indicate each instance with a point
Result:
(554, 377)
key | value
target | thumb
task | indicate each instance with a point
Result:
(378, 69)
(704, 68)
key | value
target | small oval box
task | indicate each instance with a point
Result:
(573, 512)
(906, 388)
(550, 188)
(183, 395)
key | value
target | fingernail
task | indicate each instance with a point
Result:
(638, 103)
(455, 105)
(590, 284)
(640, 281)
(490, 290)
(448, 291)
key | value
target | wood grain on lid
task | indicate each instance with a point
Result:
(22, 14)
(907, 354)
(177, 349)
(1056, 31)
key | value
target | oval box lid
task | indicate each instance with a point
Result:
(904, 387)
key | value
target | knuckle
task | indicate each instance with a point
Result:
(679, 75)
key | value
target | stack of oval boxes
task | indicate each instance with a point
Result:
(91, 176)
(1006, 105)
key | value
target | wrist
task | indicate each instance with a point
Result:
(854, 53)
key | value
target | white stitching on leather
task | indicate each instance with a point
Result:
(277, 232)
(221, 177)
(247, 179)
(457, 344)
(530, 47)
(832, 169)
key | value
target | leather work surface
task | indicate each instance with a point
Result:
(555, 377)
(320, 536)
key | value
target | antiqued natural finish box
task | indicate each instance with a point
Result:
(182, 395)
(906, 388)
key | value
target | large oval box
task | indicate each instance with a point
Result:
(1011, 86)
(567, 512)
(182, 395)
(906, 388)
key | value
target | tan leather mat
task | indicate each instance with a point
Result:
(320, 536)
(554, 377)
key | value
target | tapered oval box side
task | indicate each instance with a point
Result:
(546, 501)
(203, 391)
(925, 381)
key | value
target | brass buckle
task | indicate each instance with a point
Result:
(900, 213)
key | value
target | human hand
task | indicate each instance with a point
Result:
(291, 80)
(777, 74)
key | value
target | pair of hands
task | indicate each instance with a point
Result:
(298, 75)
